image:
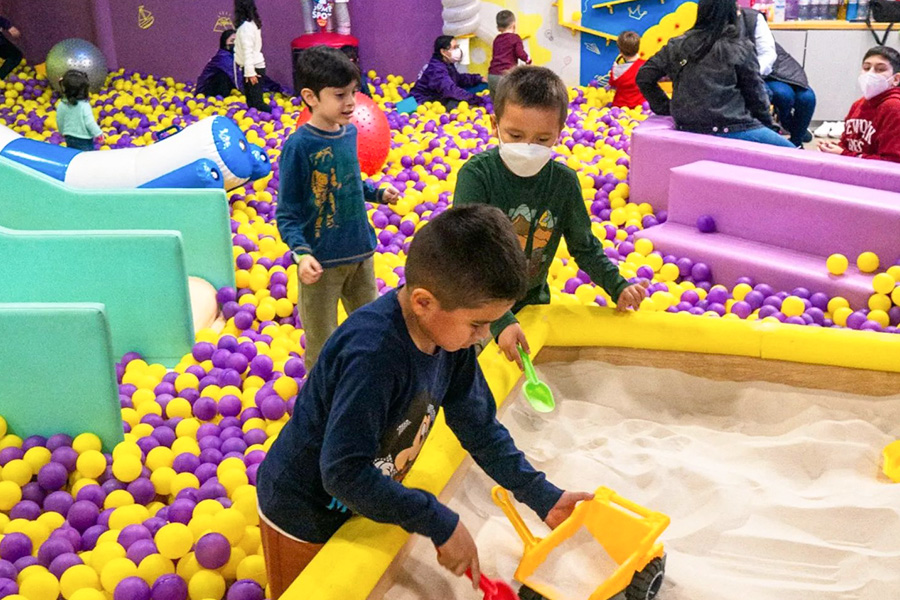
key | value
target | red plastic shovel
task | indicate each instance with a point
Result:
(494, 589)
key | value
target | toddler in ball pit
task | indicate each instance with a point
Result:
(542, 197)
(367, 409)
(321, 211)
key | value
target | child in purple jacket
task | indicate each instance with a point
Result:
(440, 82)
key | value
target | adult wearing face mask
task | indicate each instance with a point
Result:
(217, 78)
(872, 128)
(440, 82)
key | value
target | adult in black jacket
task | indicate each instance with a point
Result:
(9, 52)
(717, 88)
(789, 90)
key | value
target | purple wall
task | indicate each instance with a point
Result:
(182, 35)
(43, 23)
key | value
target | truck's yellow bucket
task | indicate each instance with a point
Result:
(626, 531)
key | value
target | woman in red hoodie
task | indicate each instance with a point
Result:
(872, 128)
(625, 69)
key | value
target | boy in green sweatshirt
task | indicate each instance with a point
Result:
(542, 197)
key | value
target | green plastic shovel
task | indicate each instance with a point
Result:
(536, 391)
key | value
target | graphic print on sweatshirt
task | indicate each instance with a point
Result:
(534, 234)
(401, 444)
(859, 134)
(324, 186)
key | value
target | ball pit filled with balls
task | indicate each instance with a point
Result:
(170, 513)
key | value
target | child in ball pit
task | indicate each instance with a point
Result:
(367, 409)
(321, 212)
(74, 117)
(542, 197)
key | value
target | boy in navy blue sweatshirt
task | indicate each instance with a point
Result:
(365, 412)
(321, 200)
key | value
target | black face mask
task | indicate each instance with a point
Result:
(229, 47)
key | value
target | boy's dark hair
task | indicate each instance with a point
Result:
(629, 43)
(442, 42)
(505, 18)
(351, 52)
(466, 257)
(245, 10)
(320, 67)
(75, 86)
(532, 87)
(888, 54)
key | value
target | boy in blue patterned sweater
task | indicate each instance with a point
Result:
(321, 202)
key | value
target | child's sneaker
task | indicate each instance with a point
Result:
(823, 129)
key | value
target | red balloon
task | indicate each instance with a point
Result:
(373, 137)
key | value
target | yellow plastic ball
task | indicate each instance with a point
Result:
(17, 471)
(78, 577)
(155, 566)
(117, 498)
(40, 586)
(206, 584)
(91, 463)
(115, 571)
(86, 441)
(867, 262)
(37, 457)
(174, 540)
(643, 246)
(253, 567)
(105, 552)
(793, 306)
(836, 303)
(879, 302)
(895, 296)
(88, 594)
(880, 317)
(10, 494)
(127, 468)
(840, 316)
(883, 283)
(230, 523)
(837, 264)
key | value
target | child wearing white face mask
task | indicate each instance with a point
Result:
(872, 128)
(542, 197)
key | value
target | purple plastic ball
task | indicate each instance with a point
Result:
(169, 587)
(63, 562)
(8, 587)
(132, 588)
(706, 224)
(14, 546)
(52, 476)
(213, 550)
(60, 502)
(245, 589)
(52, 548)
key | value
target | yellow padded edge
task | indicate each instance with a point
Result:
(351, 564)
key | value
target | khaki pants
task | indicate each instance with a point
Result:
(354, 285)
(285, 558)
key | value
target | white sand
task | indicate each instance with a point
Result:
(774, 492)
(575, 568)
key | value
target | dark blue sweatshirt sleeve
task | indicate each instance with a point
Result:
(5, 24)
(471, 413)
(358, 416)
(372, 193)
(294, 191)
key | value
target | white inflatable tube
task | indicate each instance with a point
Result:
(465, 28)
(451, 16)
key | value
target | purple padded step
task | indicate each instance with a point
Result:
(656, 147)
(732, 257)
(807, 215)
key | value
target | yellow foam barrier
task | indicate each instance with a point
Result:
(354, 560)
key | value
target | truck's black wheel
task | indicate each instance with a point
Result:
(526, 593)
(645, 584)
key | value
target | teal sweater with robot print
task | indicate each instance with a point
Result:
(321, 197)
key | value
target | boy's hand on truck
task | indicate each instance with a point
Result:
(564, 507)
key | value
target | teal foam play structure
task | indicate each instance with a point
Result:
(139, 276)
(57, 372)
(30, 200)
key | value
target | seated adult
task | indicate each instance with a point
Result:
(786, 81)
(872, 127)
(717, 88)
(440, 82)
(218, 76)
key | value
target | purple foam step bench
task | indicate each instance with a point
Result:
(656, 148)
(732, 257)
(799, 213)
